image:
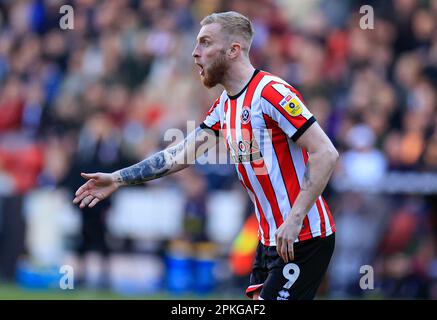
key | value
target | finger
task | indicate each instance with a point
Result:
(278, 244)
(280, 248)
(86, 201)
(284, 251)
(80, 197)
(84, 187)
(89, 175)
(94, 202)
(291, 250)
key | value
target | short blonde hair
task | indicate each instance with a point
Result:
(233, 23)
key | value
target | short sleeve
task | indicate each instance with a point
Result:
(284, 105)
(212, 119)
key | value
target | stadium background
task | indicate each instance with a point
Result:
(101, 96)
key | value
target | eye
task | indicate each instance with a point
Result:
(205, 43)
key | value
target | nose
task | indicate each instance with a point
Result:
(195, 52)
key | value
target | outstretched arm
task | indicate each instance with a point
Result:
(100, 185)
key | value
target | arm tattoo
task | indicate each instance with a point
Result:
(153, 167)
(306, 184)
(177, 149)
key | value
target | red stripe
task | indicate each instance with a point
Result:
(274, 97)
(263, 222)
(286, 167)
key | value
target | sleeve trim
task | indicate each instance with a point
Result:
(205, 127)
(302, 129)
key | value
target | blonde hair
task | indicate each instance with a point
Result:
(234, 24)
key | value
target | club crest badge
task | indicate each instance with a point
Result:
(245, 115)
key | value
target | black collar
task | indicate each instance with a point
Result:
(245, 87)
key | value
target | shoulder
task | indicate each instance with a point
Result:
(278, 92)
(217, 102)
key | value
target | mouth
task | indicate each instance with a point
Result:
(202, 70)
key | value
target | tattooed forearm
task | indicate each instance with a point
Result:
(162, 163)
(176, 150)
(151, 168)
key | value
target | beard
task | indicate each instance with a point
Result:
(215, 74)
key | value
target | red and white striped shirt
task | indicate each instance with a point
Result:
(260, 126)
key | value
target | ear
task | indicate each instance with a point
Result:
(235, 50)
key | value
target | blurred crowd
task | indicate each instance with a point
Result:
(100, 97)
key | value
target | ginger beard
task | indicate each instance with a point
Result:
(215, 73)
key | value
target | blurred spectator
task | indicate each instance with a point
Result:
(363, 165)
(99, 148)
(195, 217)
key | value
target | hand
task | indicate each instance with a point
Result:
(98, 187)
(285, 237)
